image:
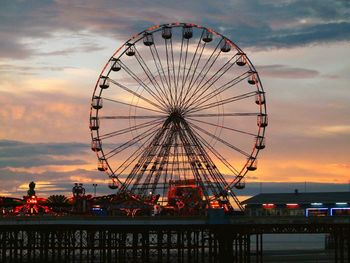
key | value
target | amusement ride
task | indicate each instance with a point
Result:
(178, 117)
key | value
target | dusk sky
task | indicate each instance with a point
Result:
(52, 52)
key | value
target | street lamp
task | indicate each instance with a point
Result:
(94, 185)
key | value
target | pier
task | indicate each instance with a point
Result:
(157, 239)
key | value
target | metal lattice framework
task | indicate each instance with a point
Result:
(178, 102)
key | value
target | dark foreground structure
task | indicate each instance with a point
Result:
(156, 239)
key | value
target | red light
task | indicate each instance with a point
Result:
(32, 200)
(214, 204)
(267, 206)
(291, 206)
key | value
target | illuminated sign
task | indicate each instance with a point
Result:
(316, 204)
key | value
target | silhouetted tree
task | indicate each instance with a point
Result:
(58, 203)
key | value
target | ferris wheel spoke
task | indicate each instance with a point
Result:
(184, 68)
(189, 69)
(179, 63)
(201, 91)
(221, 89)
(130, 143)
(136, 94)
(222, 159)
(223, 127)
(163, 72)
(212, 178)
(200, 73)
(232, 114)
(163, 156)
(167, 62)
(126, 117)
(142, 83)
(164, 89)
(219, 139)
(189, 87)
(132, 105)
(221, 102)
(191, 157)
(130, 129)
(131, 158)
(152, 78)
(173, 66)
(205, 74)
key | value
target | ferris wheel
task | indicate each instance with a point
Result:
(178, 102)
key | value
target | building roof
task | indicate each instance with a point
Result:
(299, 198)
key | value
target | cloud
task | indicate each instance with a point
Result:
(29, 69)
(41, 116)
(254, 23)
(28, 161)
(285, 72)
(25, 155)
(20, 149)
(321, 33)
(84, 48)
(329, 131)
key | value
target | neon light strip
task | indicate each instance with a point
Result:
(338, 208)
(313, 209)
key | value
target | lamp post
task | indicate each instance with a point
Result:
(94, 185)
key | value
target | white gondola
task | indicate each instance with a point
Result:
(260, 142)
(260, 98)
(187, 32)
(252, 164)
(262, 120)
(97, 102)
(104, 82)
(207, 36)
(96, 145)
(115, 64)
(241, 61)
(225, 46)
(102, 165)
(94, 123)
(129, 49)
(148, 39)
(166, 32)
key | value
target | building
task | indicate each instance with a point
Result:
(299, 204)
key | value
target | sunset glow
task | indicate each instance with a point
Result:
(52, 54)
